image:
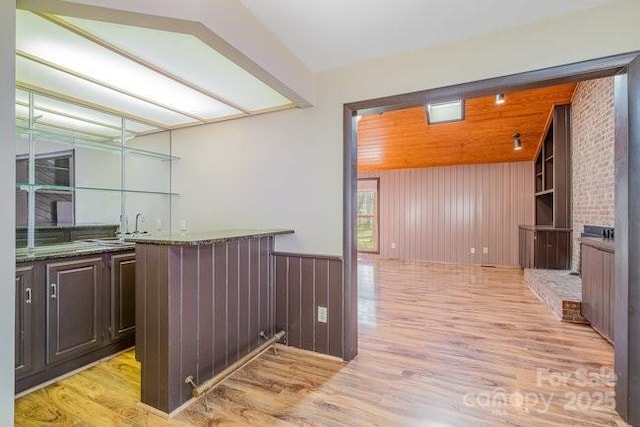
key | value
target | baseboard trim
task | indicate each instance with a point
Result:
(166, 416)
(288, 349)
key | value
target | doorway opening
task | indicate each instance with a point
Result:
(593, 69)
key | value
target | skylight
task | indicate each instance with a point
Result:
(444, 112)
(158, 79)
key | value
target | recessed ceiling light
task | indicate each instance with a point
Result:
(500, 98)
(443, 112)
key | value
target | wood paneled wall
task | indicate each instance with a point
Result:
(440, 213)
(222, 298)
(304, 283)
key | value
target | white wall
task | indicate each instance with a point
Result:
(7, 213)
(285, 169)
(149, 174)
(267, 171)
(97, 169)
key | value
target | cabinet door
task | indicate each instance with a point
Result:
(530, 254)
(74, 304)
(589, 282)
(553, 249)
(123, 295)
(521, 248)
(525, 254)
(608, 286)
(24, 345)
(541, 249)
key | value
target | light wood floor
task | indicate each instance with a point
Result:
(439, 345)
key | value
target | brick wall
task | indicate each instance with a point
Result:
(592, 160)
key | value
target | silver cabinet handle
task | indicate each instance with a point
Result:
(54, 291)
(28, 292)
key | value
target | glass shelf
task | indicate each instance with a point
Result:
(66, 189)
(77, 164)
(40, 135)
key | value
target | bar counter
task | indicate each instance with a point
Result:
(202, 300)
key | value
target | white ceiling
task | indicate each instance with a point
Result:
(326, 34)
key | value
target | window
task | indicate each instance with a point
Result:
(445, 112)
(368, 231)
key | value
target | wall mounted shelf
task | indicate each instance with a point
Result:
(109, 154)
(547, 243)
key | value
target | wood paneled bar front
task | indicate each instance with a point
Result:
(202, 300)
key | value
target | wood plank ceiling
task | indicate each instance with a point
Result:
(403, 138)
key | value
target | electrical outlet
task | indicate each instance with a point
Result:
(158, 224)
(473, 250)
(183, 225)
(393, 245)
(485, 250)
(322, 314)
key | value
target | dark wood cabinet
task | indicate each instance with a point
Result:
(526, 254)
(547, 243)
(123, 295)
(598, 285)
(74, 303)
(65, 311)
(544, 247)
(29, 321)
(552, 249)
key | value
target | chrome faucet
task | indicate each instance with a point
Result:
(138, 217)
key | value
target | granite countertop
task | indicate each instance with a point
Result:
(69, 226)
(607, 245)
(205, 237)
(543, 227)
(71, 249)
